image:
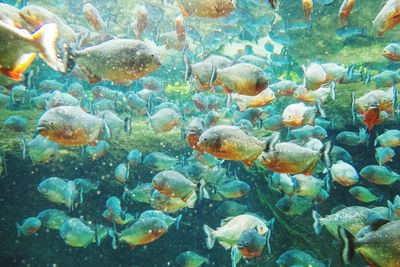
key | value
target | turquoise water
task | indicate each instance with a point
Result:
(136, 75)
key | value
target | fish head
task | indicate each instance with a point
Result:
(147, 58)
(210, 141)
(33, 15)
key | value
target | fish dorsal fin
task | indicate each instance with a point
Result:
(376, 221)
(338, 208)
(226, 220)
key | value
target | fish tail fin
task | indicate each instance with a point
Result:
(271, 141)
(98, 239)
(69, 58)
(23, 146)
(178, 221)
(376, 140)
(18, 230)
(320, 110)
(317, 222)
(188, 67)
(46, 38)
(353, 105)
(114, 236)
(391, 209)
(327, 180)
(326, 154)
(213, 75)
(333, 90)
(347, 251)
(210, 233)
(268, 237)
(191, 201)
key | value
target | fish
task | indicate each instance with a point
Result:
(348, 138)
(363, 194)
(52, 218)
(295, 257)
(379, 175)
(229, 208)
(207, 9)
(291, 158)
(37, 16)
(353, 219)
(141, 193)
(159, 214)
(16, 123)
(346, 33)
(29, 226)
(40, 149)
(98, 151)
(242, 78)
(262, 99)
(165, 203)
(139, 60)
(190, 259)
(376, 243)
(173, 184)
(387, 18)
(390, 138)
(345, 10)
(59, 191)
(94, 18)
(141, 21)
(229, 233)
(283, 88)
(69, 126)
(193, 132)
(141, 232)
(164, 120)
(18, 55)
(211, 119)
(231, 143)
(251, 244)
(308, 9)
(298, 114)
(232, 189)
(295, 205)
(392, 52)
(344, 173)
(114, 212)
(76, 233)
(134, 158)
(158, 161)
(384, 155)
(314, 76)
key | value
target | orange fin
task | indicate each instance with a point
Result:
(248, 163)
(22, 64)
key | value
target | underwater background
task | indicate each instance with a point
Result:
(253, 24)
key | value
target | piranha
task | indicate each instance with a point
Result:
(295, 257)
(161, 215)
(377, 243)
(229, 232)
(242, 78)
(231, 143)
(379, 175)
(76, 233)
(207, 9)
(59, 191)
(165, 203)
(94, 18)
(291, 158)
(190, 259)
(158, 161)
(52, 218)
(352, 218)
(390, 138)
(251, 244)
(164, 120)
(262, 99)
(363, 194)
(118, 60)
(174, 184)
(344, 12)
(28, 226)
(69, 126)
(295, 115)
(17, 55)
(141, 232)
(392, 52)
(314, 76)
(387, 18)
